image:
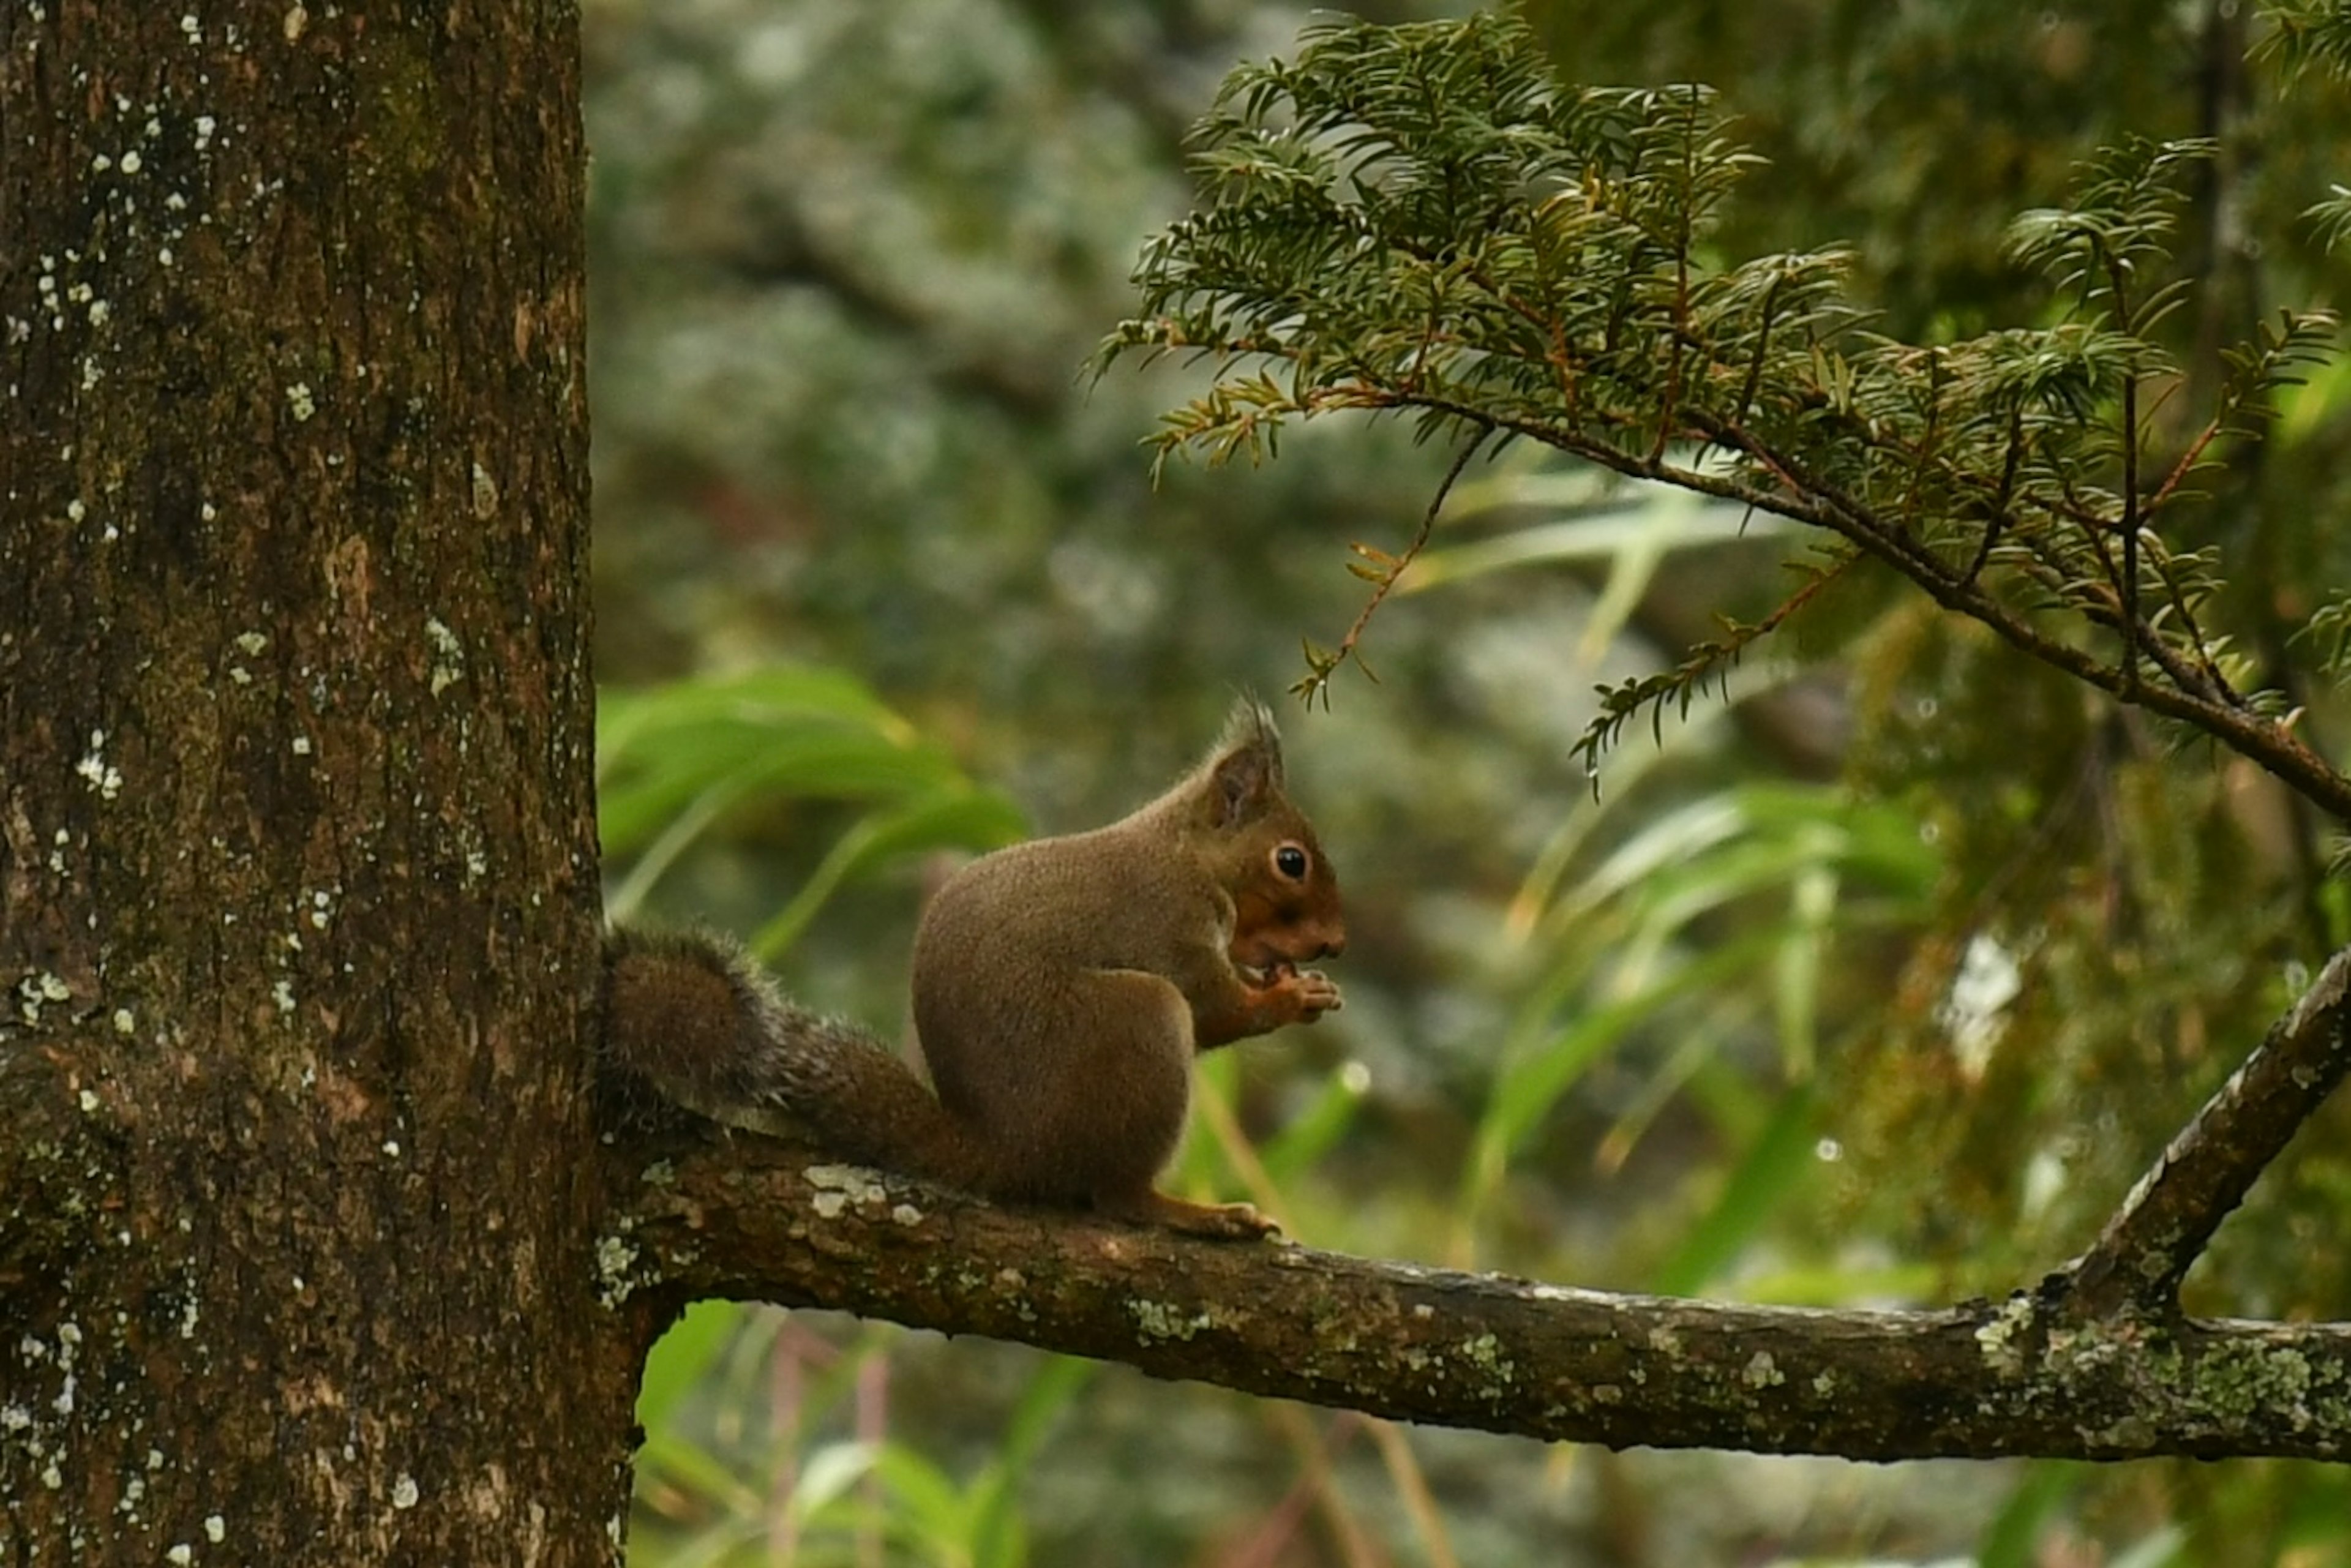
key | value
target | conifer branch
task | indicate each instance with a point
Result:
(1531, 264)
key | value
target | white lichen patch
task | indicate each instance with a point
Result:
(448, 655)
(36, 991)
(300, 402)
(1160, 1321)
(1762, 1372)
(94, 770)
(844, 1185)
(616, 1269)
(403, 1491)
(1998, 1338)
(907, 1214)
(1484, 1353)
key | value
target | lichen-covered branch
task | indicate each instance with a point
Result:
(2205, 1172)
(755, 1217)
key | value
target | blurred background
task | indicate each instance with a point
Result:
(1877, 982)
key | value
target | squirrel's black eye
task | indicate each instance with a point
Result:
(1290, 862)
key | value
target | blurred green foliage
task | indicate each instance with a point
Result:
(672, 761)
(1878, 980)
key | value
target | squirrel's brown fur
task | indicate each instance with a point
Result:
(1061, 988)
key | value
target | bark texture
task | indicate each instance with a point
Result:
(296, 849)
(1979, 1380)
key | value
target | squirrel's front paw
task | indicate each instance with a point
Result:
(1299, 995)
(1318, 994)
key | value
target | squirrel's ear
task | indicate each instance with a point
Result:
(1248, 767)
(1240, 783)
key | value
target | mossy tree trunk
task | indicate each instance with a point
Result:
(297, 874)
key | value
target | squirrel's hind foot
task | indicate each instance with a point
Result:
(1219, 1221)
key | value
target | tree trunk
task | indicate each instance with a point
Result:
(298, 871)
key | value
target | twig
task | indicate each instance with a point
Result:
(1384, 577)
(2169, 1217)
(1998, 512)
(2129, 584)
(2268, 743)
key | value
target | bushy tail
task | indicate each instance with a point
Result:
(692, 1019)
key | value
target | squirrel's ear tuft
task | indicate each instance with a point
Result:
(1247, 769)
(1250, 725)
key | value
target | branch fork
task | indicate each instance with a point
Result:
(2098, 1362)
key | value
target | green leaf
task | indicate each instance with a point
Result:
(676, 759)
(682, 1356)
(959, 818)
(1774, 1166)
(1314, 1131)
(2012, 1538)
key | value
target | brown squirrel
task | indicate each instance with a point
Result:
(1061, 988)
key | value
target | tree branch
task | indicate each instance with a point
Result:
(752, 1217)
(2270, 744)
(2204, 1174)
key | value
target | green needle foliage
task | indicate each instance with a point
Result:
(1422, 220)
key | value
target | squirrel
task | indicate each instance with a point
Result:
(1061, 988)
